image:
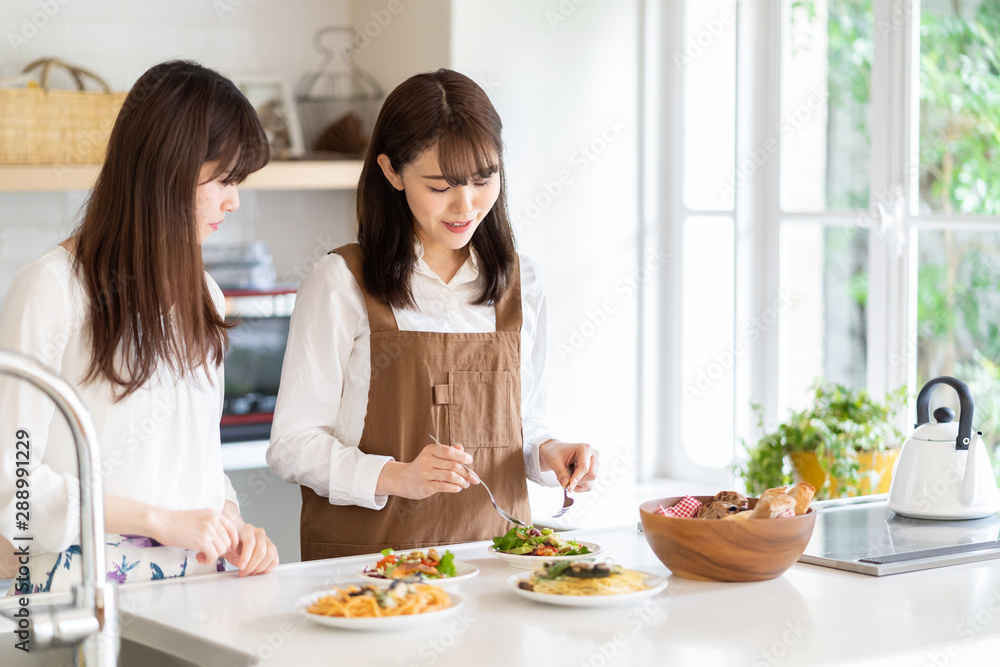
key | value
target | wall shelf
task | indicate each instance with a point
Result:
(291, 175)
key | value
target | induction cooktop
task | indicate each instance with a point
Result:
(863, 535)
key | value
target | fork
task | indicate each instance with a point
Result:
(567, 501)
(502, 512)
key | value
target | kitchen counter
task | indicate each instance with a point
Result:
(809, 616)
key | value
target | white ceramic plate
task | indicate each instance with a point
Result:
(383, 623)
(524, 562)
(463, 572)
(655, 582)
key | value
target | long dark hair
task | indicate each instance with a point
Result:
(450, 110)
(137, 249)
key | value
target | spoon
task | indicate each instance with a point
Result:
(502, 512)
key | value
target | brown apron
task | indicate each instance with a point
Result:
(465, 388)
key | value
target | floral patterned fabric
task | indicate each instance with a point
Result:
(129, 558)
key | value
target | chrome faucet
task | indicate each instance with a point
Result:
(92, 620)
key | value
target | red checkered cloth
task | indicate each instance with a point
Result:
(685, 508)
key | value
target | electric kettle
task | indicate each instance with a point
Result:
(943, 470)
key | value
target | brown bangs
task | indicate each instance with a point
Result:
(449, 110)
(466, 154)
(236, 138)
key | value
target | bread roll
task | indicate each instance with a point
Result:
(716, 510)
(778, 491)
(773, 506)
(739, 516)
(733, 498)
(803, 493)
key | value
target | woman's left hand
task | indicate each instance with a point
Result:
(557, 456)
(255, 553)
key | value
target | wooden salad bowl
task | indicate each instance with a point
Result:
(720, 550)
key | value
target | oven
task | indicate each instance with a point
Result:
(253, 360)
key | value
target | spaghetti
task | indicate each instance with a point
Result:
(564, 578)
(369, 601)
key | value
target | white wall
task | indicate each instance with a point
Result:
(400, 38)
(564, 77)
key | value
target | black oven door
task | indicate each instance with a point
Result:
(253, 362)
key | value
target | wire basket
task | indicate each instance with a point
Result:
(338, 103)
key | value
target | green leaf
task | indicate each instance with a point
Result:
(446, 566)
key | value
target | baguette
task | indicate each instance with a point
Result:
(803, 493)
(774, 506)
(778, 491)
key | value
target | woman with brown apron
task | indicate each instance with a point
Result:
(430, 325)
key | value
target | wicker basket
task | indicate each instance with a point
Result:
(42, 126)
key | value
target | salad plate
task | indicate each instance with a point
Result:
(463, 572)
(655, 584)
(428, 566)
(375, 623)
(528, 547)
(527, 562)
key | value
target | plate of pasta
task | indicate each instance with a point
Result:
(372, 607)
(585, 584)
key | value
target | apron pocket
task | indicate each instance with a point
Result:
(480, 408)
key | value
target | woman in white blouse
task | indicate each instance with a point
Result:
(431, 325)
(124, 311)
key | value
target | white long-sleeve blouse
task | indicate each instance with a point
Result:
(323, 396)
(160, 445)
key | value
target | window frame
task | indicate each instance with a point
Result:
(893, 220)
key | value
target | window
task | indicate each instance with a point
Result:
(957, 203)
(860, 140)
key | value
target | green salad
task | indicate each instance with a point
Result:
(534, 542)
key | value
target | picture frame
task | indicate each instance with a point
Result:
(271, 96)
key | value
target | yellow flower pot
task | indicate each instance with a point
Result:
(805, 467)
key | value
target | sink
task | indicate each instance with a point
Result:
(144, 643)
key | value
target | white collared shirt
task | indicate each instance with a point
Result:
(159, 445)
(323, 396)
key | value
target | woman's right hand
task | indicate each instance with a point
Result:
(436, 469)
(206, 531)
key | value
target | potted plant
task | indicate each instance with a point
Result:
(845, 444)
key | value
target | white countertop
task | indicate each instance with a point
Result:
(809, 616)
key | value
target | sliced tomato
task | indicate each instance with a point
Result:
(388, 560)
(546, 551)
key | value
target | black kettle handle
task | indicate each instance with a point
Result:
(964, 402)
